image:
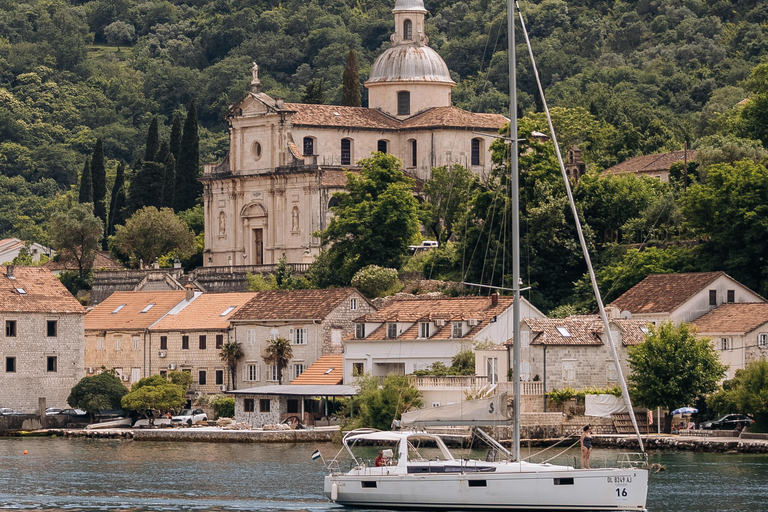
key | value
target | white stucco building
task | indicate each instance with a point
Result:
(274, 188)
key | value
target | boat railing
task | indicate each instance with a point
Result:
(632, 460)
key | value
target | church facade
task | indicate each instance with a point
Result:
(275, 187)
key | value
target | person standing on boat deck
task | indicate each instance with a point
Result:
(380, 460)
(586, 446)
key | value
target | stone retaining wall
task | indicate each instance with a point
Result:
(235, 436)
(683, 443)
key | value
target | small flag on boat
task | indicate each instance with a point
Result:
(316, 455)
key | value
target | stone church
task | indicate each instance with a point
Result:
(274, 188)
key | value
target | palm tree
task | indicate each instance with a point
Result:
(231, 353)
(278, 352)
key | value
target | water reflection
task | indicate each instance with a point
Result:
(113, 475)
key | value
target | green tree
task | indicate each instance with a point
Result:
(376, 219)
(281, 279)
(188, 189)
(146, 187)
(448, 193)
(278, 353)
(175, 142)
(730, 211)
(99, 177)
(231, 353)
(169, 181)
(671, 368)
(374, 281)
(117, 200)
(77, 233)
(153, 141)
(350, 96)
(152, 395)
(119, 33)
(102, 391)
(86, 184)
(151, 233)
(181, 378)
(314, 92)
(746, 393)
(377, 406)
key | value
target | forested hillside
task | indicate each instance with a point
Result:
(633, 77)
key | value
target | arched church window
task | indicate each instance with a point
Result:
(403, 103)
(309, 146)
(414, 152)
(256, 150)
(476, 145)
(407, 30)
(346, 152)
(381, 146)
(333, 202)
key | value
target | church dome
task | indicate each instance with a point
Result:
(409, 63)
(409, 5)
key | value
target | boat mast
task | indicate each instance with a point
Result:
(515, 181)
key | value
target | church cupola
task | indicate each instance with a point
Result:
(409, 77)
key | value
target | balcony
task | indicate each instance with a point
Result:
(473, 382)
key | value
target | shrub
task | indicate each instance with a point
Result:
(375, 281)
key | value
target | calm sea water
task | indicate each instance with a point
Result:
(111, 475)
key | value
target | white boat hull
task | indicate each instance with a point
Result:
(598, 489)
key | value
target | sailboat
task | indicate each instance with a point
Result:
(415, 469)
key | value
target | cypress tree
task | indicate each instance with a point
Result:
(350, 96)
(86, 184)
(188, 189)
(153, 141)
(175, 136)
(115, 210)
(314, 93)
(165, 157)
(146, 187)
(99, 177)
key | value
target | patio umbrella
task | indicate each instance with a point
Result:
(685, 410)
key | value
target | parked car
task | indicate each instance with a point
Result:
(74, 413)
(728, 422)
(110, 414)
(50, 411)
(424, 246)
(7, 411)
(189, 416)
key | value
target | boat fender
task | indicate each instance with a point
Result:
(334, 491)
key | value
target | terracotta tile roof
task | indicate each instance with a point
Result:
(334, 178)
(293, 304)
(318, 374)
(583, 330)
(429, 309)
(664, 293)
(205, 312)
(342, 117)
(103, 260)
(651, 163)
(736, 318)
(34, 290)
(105, 317)
(452, 117)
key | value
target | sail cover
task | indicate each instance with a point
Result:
(471, 413)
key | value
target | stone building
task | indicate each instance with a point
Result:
(41, 344)
(274, 187)
(681, 297)
(315, 321)
(190, 336)
(739, 333)
(117, 332)
(653, 166)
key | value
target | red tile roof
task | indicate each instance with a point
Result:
(102, 260)
(338, 116)
(651, 163)
(293, 304)
(583, 330)
(34, 290)
(664, 293)
(452, 117)
(429, 309)
(334, 178)
(105, 316)
(328, 370)
(735, 318)
(205, 312)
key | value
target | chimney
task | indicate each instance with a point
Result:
(9, 272)
(279, 103)
(494, 299)
(190, 291)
